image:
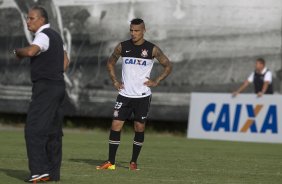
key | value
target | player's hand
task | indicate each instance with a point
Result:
(151, 83)
(260, 94)
(235, 94)
(119, 86)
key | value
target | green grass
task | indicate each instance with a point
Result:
(164, 159)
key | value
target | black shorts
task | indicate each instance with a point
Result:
(125, 107)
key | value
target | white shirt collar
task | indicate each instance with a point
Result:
(42, 27)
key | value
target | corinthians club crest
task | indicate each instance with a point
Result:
(144, 53)
(116, 113)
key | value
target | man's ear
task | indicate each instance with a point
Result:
(42, 20)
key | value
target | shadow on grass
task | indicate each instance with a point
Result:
(87, 161)
(97, 162)
(18, 174)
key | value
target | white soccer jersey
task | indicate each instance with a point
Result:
(137, 64)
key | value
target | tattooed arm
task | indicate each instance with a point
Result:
(164, 61)
(111, 67)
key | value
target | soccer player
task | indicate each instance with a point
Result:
(134, 90)
(261, 78)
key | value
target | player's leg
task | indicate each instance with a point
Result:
(122, 111)
(141, 109)
(114, 139)
(139, 128)
(114, 142)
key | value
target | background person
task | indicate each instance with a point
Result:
(261, 78)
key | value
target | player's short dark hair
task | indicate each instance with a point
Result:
(137, 21)
(42, 12)
(261, 60)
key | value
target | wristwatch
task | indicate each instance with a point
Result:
(15, 52)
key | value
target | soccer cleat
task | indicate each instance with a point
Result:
(38, 178)
(106, 165)
(133, 166)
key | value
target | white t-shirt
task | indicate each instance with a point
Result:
(41, 39)
(267, 76)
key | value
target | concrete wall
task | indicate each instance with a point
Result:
(212, 43)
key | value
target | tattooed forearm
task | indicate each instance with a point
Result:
(112, 61)
(164, 61)
(111, 70)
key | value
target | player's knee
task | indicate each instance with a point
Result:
(139, 127)
(117, 125)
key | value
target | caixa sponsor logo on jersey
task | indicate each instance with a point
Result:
(242, 118)
(135, 61)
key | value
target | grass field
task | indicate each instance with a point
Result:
(164, 159)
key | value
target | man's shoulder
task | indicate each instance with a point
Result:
(268, 72)
(52, 34)
(150, 43)
(129, 42)
(50, 31)
(126, 43)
